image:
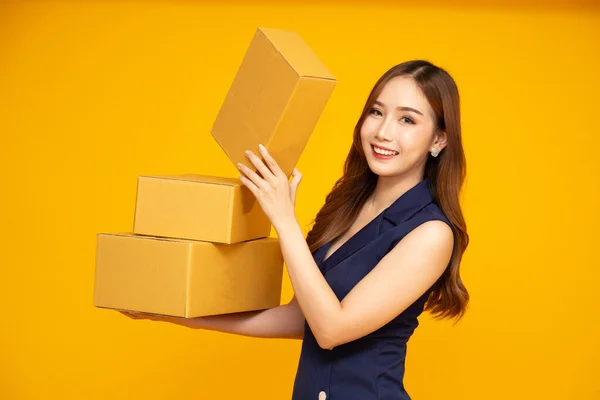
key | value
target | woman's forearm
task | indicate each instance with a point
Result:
(284, 322)
(320, 305)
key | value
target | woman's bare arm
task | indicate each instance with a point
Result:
(284, 322)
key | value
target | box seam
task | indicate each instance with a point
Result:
(188, 281)
(231, 203)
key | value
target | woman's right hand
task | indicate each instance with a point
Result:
(149, 316)
(158, 317)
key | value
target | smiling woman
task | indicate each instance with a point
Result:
(386, 245)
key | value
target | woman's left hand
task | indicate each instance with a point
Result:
(276, 195)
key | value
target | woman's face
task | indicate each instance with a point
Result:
(402, 121)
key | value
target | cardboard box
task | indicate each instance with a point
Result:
(276, 99)
(198, 207)
(186, 278)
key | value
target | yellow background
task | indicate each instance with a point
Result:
(93, 94)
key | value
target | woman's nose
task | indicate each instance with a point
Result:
(383, 131)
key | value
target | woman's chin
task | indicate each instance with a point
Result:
(384, 171)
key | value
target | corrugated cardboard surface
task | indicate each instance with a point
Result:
(186, 278)
(276, 99)
(198, 207)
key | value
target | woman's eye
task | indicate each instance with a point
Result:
(410, 121)
(375, 111)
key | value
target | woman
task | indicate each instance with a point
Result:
(386, 245)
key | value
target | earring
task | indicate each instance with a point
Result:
(435, 152)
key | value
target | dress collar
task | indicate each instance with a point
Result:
(409, 203)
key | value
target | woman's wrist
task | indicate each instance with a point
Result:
(286, 224)
(194, 323)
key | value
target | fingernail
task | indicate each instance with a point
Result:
(239, 165)
(261, 147)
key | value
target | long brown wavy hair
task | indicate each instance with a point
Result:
(445, 175)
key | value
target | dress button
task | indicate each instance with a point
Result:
(322, 395)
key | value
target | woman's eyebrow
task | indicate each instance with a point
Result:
(401, 108)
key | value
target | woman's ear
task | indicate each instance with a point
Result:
(440, 140)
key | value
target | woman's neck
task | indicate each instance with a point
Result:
(389, 189)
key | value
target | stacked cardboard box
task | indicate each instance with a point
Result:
(200, 243)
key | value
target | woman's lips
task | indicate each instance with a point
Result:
(381, 156)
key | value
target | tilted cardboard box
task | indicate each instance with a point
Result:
(198, 207)
(276, 99)
(186, 278)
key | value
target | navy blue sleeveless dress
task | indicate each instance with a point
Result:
(371, 367)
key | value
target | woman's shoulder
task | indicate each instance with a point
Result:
(428, 213)
(433, 212)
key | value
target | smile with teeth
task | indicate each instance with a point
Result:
(384, 152)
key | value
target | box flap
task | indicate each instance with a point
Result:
(217, 180)
(150, 237)
(297, 53)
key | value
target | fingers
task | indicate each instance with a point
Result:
(271, 172)
(132, 314)
(271, 163)
(251, 177)
(248, 182)
(272, 175)
(260, 167)
(296, 178)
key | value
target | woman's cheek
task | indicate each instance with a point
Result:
(366, 127)
(411, 139)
